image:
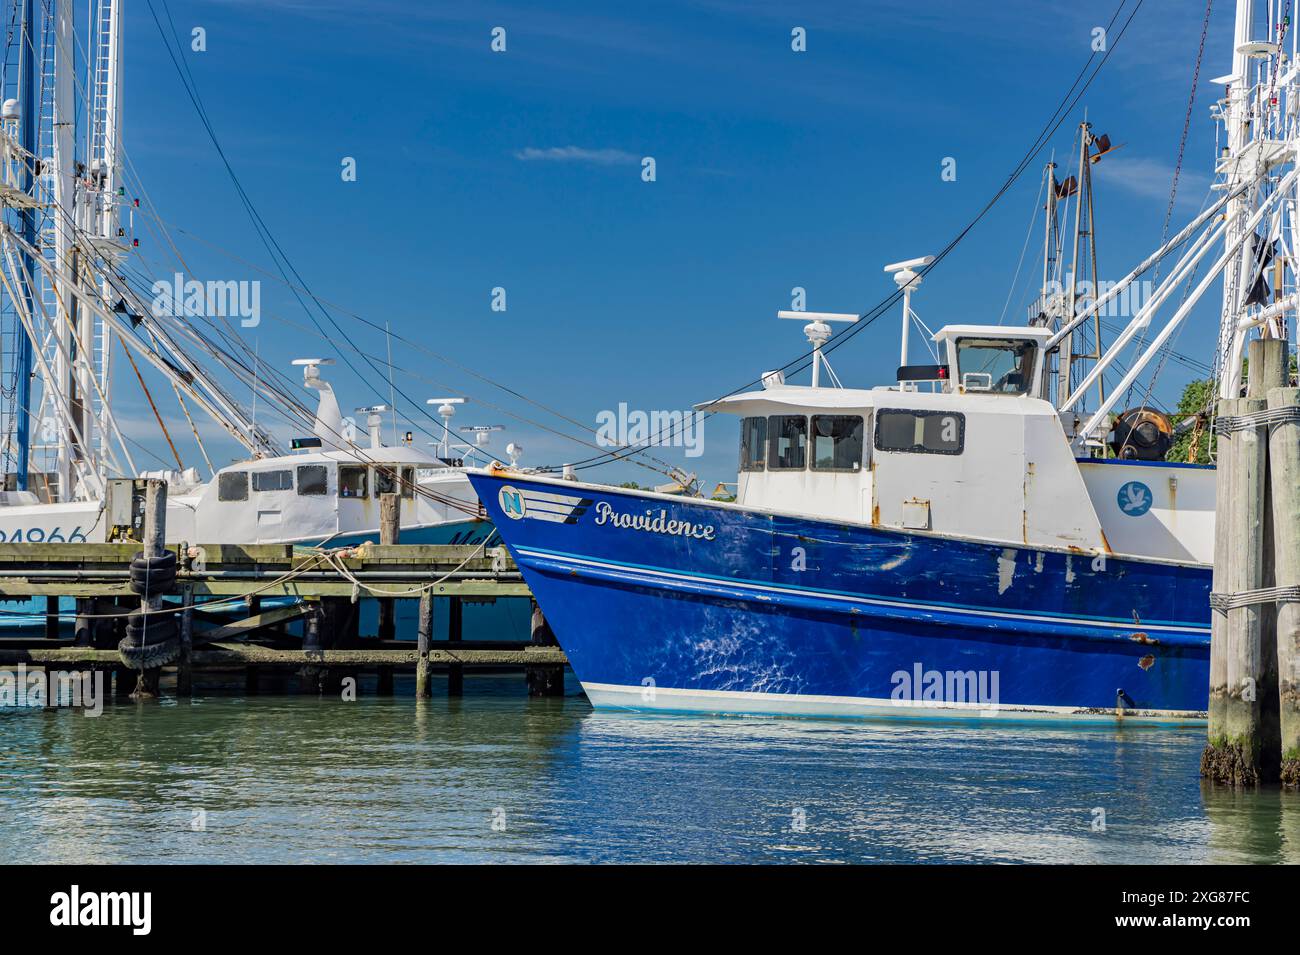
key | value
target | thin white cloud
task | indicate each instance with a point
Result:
(1150, 178)
(599, 157)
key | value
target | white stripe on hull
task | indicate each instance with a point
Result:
(741, 703)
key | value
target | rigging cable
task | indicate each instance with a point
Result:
(1067, 104)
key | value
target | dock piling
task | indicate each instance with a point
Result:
(390, 526)
(1284, 465)
(184, 672)
(455, 634)
(1244, 746)
(547, 680)
(309, 676)
(155, 532)
(424, 637)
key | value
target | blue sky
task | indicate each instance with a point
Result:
(522, 170)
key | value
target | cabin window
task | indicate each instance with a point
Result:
(385, 480)
(753, 444)
(1000, 366)
(352, 481)
(408, 482)
(836, 442)
(232, 486)
(273, 480)
(787, 446)
(313, 479)
(921, 432)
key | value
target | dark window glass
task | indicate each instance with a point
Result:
(232, 486)
(313, 479)
(753, 444)
(408, 482)
(922, 432)
(352, 481)
(385, 480)
(1001, 366)
(272, 480)
(787, 444)
(836, 442)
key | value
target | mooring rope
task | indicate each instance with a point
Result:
(335, 559)
(1227, 424)
(1223, 602)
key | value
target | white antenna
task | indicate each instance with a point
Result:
(818, 333)
(908, 279)
(482, 433)
(446, 410)
(328, 425)
(374, 423)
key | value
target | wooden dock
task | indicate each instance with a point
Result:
(217, 595)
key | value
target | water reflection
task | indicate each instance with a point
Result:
(293, 779)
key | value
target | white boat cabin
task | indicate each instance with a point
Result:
(973, 451)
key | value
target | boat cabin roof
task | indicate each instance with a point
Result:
(776, 398)
(952, 332)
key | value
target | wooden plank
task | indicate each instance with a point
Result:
(247, 625)
(238, 654)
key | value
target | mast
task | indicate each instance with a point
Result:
(27, 219)
(1260, 133)
(63, 305)
(104, 150)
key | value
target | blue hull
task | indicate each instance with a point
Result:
(678, 604)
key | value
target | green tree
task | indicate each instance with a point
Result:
(1197, 400)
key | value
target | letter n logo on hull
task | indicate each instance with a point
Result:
(512, 502)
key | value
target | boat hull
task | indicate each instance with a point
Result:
(678, 604)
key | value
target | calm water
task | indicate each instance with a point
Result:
(283, 778)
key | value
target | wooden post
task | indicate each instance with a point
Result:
(155, 533)
(424, 634)
(455, 633)
(1244, 743)
(543, 680)
(1215, 758)
(184, 671)
(51, 618)
(1284, 474)
(310, 676)
(83, 629)
(384, 684)
(390, 524)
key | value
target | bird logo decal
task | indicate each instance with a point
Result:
(1135, 499)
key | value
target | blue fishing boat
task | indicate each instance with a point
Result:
(988, 534)
(954, 544)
